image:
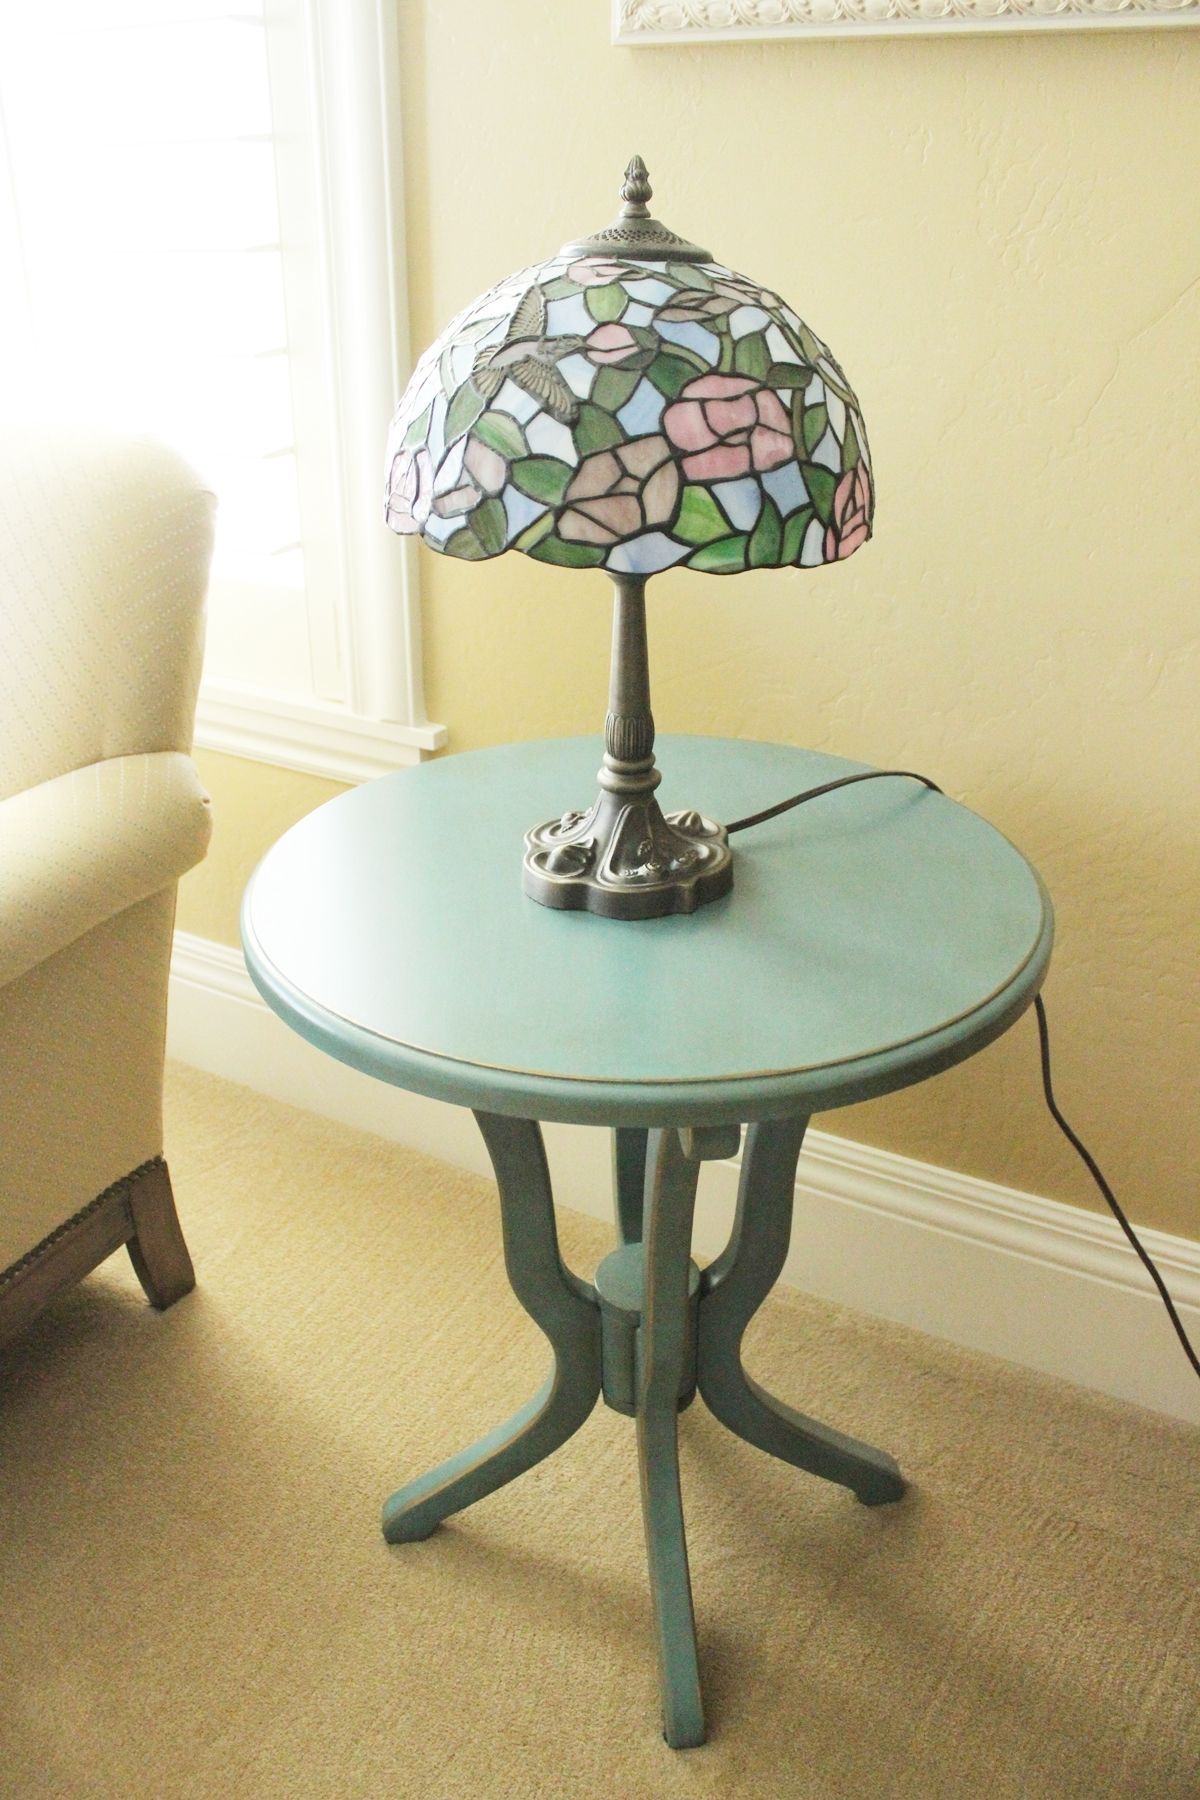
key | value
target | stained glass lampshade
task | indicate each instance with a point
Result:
(631, 405)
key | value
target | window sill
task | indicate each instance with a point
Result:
(314, 737)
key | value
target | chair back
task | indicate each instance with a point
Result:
(105, 543)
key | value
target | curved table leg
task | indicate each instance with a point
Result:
(671, 1199)
(629, 1180)
(734, 1287)
(566, 1311)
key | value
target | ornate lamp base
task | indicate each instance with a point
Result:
(626, 859)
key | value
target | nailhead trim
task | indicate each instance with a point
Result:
(31, 1256)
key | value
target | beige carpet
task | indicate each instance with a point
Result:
(197, 1601)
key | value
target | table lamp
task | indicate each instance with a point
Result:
(631, 405)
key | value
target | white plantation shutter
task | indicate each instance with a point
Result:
(197, 230)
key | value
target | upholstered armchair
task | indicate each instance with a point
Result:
(104, 553)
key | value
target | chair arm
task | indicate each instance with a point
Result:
(79, 849)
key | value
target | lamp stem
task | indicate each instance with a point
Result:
(629, 728)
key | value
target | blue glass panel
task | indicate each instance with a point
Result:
(745, 319)
(578, 373)
(828, 451)
(494, 333)
(435, 435)
(651, 291)
(780, 346)
(741, 501)
(644, 555)
(642, 411)
(813, 550)
(786, 487)
(450, 468)
(692, 337)
(515, 401)
(569, 317)
(637, 312)
(548, 438)
(519, 510)
(460, 358)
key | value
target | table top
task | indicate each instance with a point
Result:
(872, 938)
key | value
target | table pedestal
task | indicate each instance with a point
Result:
(650, 1333)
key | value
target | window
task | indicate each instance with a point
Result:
(200, 235)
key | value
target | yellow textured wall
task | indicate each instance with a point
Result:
(1000, 239)
(253, 804)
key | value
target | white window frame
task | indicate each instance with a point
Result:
(337, 62)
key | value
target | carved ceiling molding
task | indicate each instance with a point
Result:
(692, 21)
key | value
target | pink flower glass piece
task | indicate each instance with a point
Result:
(596, 271)
(410, 490)
(850, 525)
(729, 424)
(610, 343)
(617, 493)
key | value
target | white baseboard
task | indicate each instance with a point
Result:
(1041, 1283)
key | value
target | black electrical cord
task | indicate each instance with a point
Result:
(1076, 1143)
(828, 787)
(1093, 1169)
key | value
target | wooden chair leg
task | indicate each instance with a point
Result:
(156, 1249)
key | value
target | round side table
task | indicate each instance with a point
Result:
(872, 938)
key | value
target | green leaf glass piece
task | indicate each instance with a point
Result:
(541, 477)
(794, 533)
(465, 544)
(726, 557)
(606, 303)
(561, 288)
(821, 483)
(816, 418)
(501, 433)
(751, 356)
(685, 353)
(418, 431)
(700, 518)
(533, 534)
(462, 411)
(595, 429)
(798, 421)
(850, 450)
(808, 343)
(552, 549)
(490, 525)
(689, 275)
(788, 375)
(671, 374)
(766, 539)
(612, 387)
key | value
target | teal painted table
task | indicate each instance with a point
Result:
(872, 938)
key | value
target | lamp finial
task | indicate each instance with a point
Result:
(636, 189)
(633, 235)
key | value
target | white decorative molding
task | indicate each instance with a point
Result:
(313, 736)
(693, 21)
(1021, 1277)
